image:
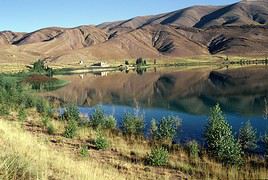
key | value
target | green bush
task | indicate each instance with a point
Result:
(97, 118)
(166, 129)
(101, 142)
(71, 129)
(45, 120)
(265, 141)
(220, 141)
(72, 113)
(193, 149)
(22, 114)
(84, 151)
(247, 137)
(4, 110)
(109, 122)
(133, 125)
(42, 106)
(50, 129)
(158, 157)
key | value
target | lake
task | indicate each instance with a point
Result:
(188, 93)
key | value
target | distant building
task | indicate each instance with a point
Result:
(101, 64)
(81, 62)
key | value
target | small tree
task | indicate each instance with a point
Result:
(72, 113)
(265, 141)
(39, 66)
(22, 114)
(193, 149)
(220, 141)
(71, 129)
(158, 157)
(97, 118)
(100, 121)
(139, 61)
(166, 129)
(247, 137)
(133, 125)
(50, 128)
(84, 151)
(101, 142)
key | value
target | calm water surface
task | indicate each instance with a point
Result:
(186, 93)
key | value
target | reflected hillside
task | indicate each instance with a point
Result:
(240, 90)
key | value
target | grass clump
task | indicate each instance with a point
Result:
(158, 157)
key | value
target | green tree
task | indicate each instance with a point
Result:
(158, 157)
(166, 129)
(39, 66)
(265, 141)
(71, 113)
(99, 120)
(219, 139)
(132, 125)
(247, 137)
(193, 149)
(22, 114)
(71, 129)
(101, 142)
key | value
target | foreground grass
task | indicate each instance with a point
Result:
(27, 151)
(24, 156)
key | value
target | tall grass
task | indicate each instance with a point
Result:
(24, 156)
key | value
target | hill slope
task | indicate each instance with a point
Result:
(236, 29)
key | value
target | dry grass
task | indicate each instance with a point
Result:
(24, 156)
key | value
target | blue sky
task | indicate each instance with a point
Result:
(30, 15)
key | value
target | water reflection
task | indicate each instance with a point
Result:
(189, 94)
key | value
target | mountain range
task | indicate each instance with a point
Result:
(239, 29)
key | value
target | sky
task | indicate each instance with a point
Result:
(31, 15)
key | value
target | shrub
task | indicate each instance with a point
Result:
(100, 121)
(158, 157)
(71, 129)
(220, 141)
(265, 141)
(39, 66)
(50, 129)
(97, 118)
(166, 129)
(4, 110)
(247, 137)
(45, 120)
(153, 129)
(42, 106)
(22, 114)
(132, 125)
(71, 113)
(109, 122)
(193, 149)
(84, 151)
(101, 142)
